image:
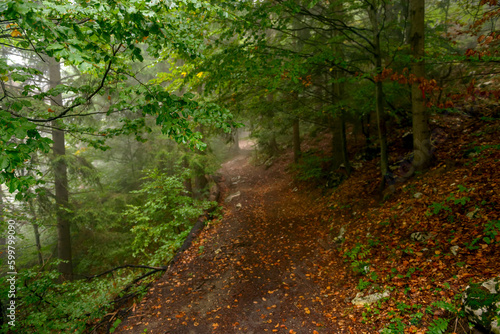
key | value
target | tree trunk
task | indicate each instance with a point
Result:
(379, 98)
(339, 138)
(340, 153)
(188, 181)
(302, 34)
(61, 183)
(235, 133)
(420, 118)
(273, 145)
(296, 140)
(336, 129)
(36, 233)
(345, 155)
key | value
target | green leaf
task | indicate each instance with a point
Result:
(4, 162)
(20, 133)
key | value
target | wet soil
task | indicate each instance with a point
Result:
(253, 271)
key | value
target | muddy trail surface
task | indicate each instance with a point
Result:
(258, 269)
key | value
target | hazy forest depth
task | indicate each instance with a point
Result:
(288, 166)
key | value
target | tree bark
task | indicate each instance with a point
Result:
(340, 153)
(65, 267)
(235, 134)
(188, 181)
(339, 138)
(420, 117)
(36, 232)
(296, 140)
(345, 154)
(273, 145)
(379, 97)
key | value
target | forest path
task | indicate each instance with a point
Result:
(258, 270)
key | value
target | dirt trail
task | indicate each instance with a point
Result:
(255, 271)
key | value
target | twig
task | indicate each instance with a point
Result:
(126, 266)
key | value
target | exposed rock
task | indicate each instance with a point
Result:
(471, 214)
(370, 299)
(418, 195)
(237, 179)
(364, 269)
(238, 206)
(230, 197)
(422, 236)
(340, 237)
(482, 304)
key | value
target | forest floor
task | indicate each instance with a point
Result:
(271, 264)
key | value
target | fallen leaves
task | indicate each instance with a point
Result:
(286, 273)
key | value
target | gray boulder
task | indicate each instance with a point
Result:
(340, 238)
(422, 236)
(361, 300)
(482, 304)
(230, 197)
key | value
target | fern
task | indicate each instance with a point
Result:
(438, 326)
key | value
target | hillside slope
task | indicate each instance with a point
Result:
(274, 265)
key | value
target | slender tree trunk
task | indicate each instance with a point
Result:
(296, 140)
(421, 132)
(188, 181)
(340, 153)
(382, 129)
(61, 183)
(301, 36)
(379, 98)
(345, 155)
(36, 232)
(236, 140)
(336, 146)
(273, 145)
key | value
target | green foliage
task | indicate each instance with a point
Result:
(491, 232)
(18, 140)
(395, 327)
(445, 306)
(310, 167)
(115, 325)
(478, 297)
(437, 208)
(363, 284)
(100, 51)
(416, 318)
(162, 222)
(356, 258)
(314, 168)
(438, 326)
(45, 306)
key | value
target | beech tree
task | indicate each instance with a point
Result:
(421, 132)
(95, 39)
